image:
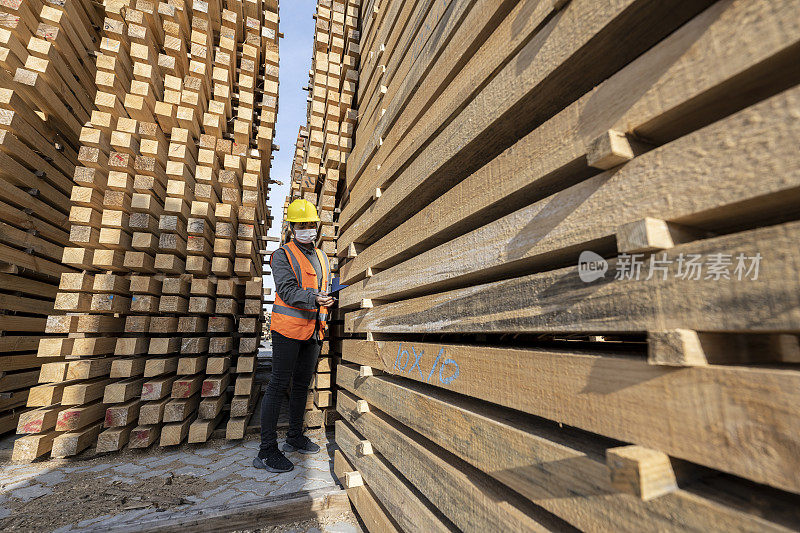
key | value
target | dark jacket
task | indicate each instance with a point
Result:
(286, 284)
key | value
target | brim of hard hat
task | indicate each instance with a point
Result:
(303, 219)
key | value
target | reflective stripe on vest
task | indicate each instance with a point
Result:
(295, 312)
(295, 322)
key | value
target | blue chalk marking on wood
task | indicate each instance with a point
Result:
(400, 353)
(449, 379)
(436, 362)
(417, 359)
(397, 359)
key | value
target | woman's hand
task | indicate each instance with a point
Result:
(324, 300)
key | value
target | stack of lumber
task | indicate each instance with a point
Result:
(321, 153)
(569, 230)
(46, 92)
(324, 382)
(168, 211)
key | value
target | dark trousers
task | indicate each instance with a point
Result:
(291, 360)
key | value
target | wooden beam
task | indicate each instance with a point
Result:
(152, 412)
(29, 447)
(77, 417)
(122, 414)
(640, 471)
(113, 439)
(85, 391)
(38, 420)
(649, 388)
(552, 232)
(177, 410)
(684, 68)
(465, 495)
(559, 301)
(684, 347)
(200, 430)
(143, 436)
(69, 444)
(409, 508)
(505, 109)
(559, 469)
(173, 434)
(123, 390)
(369, 508)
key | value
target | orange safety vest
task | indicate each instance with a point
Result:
(298, 322)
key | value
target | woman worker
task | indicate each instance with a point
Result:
(298, 324)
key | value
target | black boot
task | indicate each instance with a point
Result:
(300, 444)
(272, 461)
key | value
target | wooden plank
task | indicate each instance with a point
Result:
(215, 385)
(160, 365)
(244, 384)
(122, 391)
(9, 363)
(322, 398)
(25, 305)
(22, 324)
(10, 400)
(143, 436)
(9, 421)
(29, 447)
(640, 471)
(128, 367)
(649, 388)
(17, 237)
(466, 496)
(151, 412)
(122, 414)
(191, 365)
(405, 504)
(380, 69)
(113, 439)
(177, 410)
(370, 510)
(201, 429)
(31, 262)
(664, 101)
(38, 420)
(89, 368)
(84, 392)
(559, 301)
(437, 62)
(184, 387)
(270, 511)
(562, 471)
(173, 434)
(551, 232)
(237, 427)
(73, 418)
(683, 347)
(574, 44)
(69, 444)
(158, 388)
(46, 395)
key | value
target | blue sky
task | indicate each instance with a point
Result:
(296, 48)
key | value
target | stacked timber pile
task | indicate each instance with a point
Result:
(321, 153)
(46, 92)
(570, 237)
(164, 307)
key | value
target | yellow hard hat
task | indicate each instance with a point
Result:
(301, 211)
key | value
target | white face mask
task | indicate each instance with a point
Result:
(305, 235)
